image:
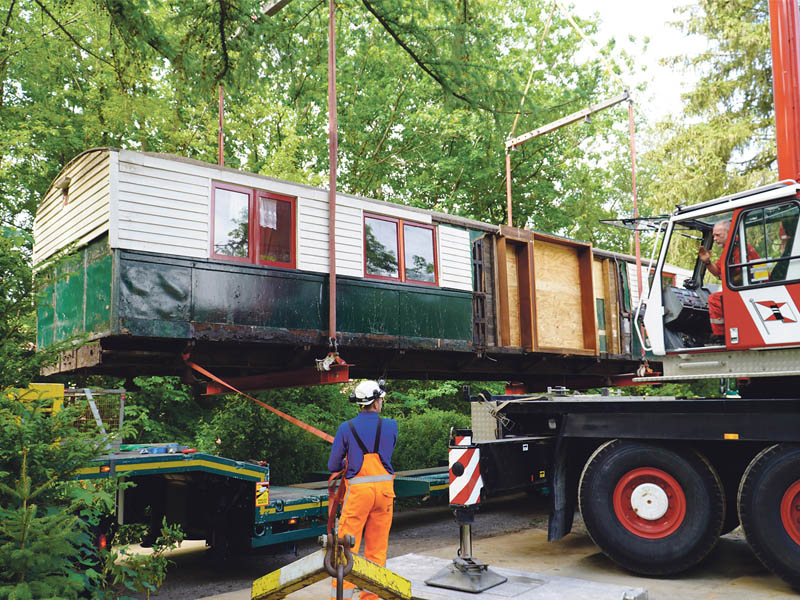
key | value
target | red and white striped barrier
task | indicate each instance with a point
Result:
(465, 473)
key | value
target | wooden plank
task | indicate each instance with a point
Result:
(504, 325)
(587, 298)
(514, 318)
(134, 189)
(160, 201)
(612, 306)
(559, 320)
(162, 211)
(527, 319)
(600, 294)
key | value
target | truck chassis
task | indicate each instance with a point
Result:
(657, 479)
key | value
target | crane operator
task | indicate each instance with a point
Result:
(715, 312)
(365, 444)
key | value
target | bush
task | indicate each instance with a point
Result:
(47, 517)
(422, 439)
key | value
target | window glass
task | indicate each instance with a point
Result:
(380, 241)
(274, 230)
(418, 253)
(770, 236)
(231, 223)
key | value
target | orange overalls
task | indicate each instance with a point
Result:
(367, 508)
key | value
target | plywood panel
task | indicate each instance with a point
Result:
(512, 275)
(558, 296)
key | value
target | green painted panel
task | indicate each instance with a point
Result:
(259, 297)
(45, 315)
(366, 307)
(98, 290)
(155, 290)
(69, 297)
(175, 297)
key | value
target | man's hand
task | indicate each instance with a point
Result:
(704, 255)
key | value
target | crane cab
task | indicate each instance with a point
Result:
(758, 286)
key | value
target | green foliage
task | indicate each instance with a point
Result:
(40, 546)
(162, 409)
(724, 140)
(243, 430)
(423, 439)
(121, 571)
(47, 518)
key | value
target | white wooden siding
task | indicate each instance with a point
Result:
(162, 206)
(455, 258)
(86, 214)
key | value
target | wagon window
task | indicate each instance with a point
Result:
(380, 248)
(231, 223)
(252, 226)
(418, 252)
(399, 250)
(275, 230)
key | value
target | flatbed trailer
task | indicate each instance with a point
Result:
(657, 479)
(228, 503)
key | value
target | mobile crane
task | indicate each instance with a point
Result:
(659, 479)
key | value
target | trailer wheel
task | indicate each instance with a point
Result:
(769, 508)
(653, 510)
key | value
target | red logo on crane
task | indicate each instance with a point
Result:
(777, 314)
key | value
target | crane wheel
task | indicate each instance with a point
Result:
(769, 508)
(651, 509)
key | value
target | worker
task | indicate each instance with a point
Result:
(715, 312)
(366, 443)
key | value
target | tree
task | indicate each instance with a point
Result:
(724, 139)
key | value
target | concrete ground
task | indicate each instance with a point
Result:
(731, 572)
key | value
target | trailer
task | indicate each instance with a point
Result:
(229, 504)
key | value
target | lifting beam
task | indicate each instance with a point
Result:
(311, 569)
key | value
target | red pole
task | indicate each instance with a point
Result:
(786, 84)
(333, 138)
(220, 154)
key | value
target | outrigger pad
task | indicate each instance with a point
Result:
(310, 569)
(466, 575)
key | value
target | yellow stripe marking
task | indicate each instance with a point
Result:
(157, 466)
(730, 436)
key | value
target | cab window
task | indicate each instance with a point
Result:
(769, 252)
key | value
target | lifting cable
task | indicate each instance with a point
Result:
(310, 428)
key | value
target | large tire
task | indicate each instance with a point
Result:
(769, 508)
(652, 510)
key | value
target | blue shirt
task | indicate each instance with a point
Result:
(344, 444)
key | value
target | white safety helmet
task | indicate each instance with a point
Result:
(367, 392)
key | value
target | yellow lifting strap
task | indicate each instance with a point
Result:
(311, 569)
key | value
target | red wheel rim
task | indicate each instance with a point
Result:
(790, 511)
(668, 490)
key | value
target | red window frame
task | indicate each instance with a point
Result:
(293, 202)
(401, 257)
(432, 229)
(250, 208)
(253, 244)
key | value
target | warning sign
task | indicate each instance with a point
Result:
(262, 493)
